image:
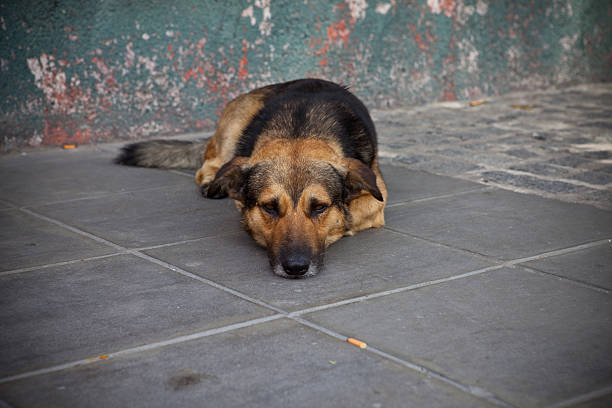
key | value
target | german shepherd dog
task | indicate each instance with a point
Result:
(300, 160)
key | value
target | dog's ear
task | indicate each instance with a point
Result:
(229, 180)
(358, 178)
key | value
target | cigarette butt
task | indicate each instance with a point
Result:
(357, 343)
(69, 146)
(478, 102)
(103, 357)
(523, 107)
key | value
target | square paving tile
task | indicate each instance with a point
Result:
(404, 184)
(592, 265)
(502, 224)
(277, 364)
(82, 310)
(29, 241)
(151, 217)
(368, 262)
(45, 177)
(529, 339)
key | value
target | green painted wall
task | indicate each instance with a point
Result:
(91, 70)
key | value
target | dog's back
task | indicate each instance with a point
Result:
(313, 108)
(304, 108)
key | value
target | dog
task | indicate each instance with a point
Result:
(300, 160)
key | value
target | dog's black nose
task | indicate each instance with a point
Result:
(296, 265)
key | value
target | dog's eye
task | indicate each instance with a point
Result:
(270, 208)
(318, 208)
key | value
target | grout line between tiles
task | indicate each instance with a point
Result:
(583, 398)
(440, 244)
(187, 241)
(145, 347)
(292, 315)
(474, 391)
(195, 336)
(331, 305)
(73, 229)
(562, 251)
(438, 197)
(93, 258)
(510, 263)
(394, 291)
(155, 261)
(96, 196)
(317, 327)
(93, 196)
(206, 281)
(51, 265)
(563, 278)
(520, 261)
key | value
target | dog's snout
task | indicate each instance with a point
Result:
(296, 264)
(295, 259)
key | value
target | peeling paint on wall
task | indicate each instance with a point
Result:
(83, 71)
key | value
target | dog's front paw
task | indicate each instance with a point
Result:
(213, 191)
(204, 190)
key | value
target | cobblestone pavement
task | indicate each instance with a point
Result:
(555, 143)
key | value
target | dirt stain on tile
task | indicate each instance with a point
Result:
(187, 378)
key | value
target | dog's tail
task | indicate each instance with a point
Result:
(165, 154)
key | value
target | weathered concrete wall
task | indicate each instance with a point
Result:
(91, 70)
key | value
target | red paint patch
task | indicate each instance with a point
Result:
(339, 32)
(323, 49)
(422, 46)
(59, 133)
(243, 73)
(449, 94)
(190, 74)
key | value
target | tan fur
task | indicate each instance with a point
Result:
(295, 221)
(221, 146)
(366, 211)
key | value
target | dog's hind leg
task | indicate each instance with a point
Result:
(366, 211)
(222, 146)
(212, 163)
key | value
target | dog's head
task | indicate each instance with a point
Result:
(295, 207)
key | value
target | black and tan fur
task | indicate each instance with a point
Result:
(300, 160)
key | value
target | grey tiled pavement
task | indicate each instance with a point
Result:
(123, 287)
(552, 143)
